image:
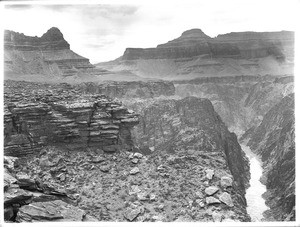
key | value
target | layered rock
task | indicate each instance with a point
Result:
(48, 54)
(274, 141)
(195, 54)
(234, 45)
(55, 116)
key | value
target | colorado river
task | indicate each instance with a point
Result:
(256, 204)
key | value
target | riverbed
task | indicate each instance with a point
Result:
(256, 203)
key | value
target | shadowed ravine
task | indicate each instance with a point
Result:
(255, 201)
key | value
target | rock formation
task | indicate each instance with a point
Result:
(195, 54)
(274, 141)
(60, 116)
(48, 54)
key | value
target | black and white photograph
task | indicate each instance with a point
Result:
(149, 111)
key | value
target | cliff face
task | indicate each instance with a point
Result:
(274, 141)
(48, 54)
(233, 45)
(62, 116)
(195, 54)
(241, 101)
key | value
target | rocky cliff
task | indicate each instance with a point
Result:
(274, 141)
(40, 117)
(194, 54)
(49, 54)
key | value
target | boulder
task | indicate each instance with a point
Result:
(209, 173)
(134, 171)
(130, 214)
(105, 168)
(226, 182)
(49, 211)
(211, 190)
(25, 182)
(226, 198)
(212, 200)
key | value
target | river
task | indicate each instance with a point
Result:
(256, 203)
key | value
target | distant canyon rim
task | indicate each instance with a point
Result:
(158, 134)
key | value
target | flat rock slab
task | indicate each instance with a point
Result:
(212, 200)
(226, 198)
(211, 190)
(49, 211)
(131, 214)
(16, 196)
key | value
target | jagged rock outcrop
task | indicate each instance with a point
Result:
(58, 116)
(195, 55)
(49, 54)
(274, 141)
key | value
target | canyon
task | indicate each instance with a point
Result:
(149, 149)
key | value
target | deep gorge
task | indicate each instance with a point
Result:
(170, 132)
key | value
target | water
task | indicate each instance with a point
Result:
(256, 204)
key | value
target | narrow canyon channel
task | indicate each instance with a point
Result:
(255, 201)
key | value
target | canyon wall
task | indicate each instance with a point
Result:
(196, 55)
(233, 45)
(274, 141)
(49, 54)
(241, 101)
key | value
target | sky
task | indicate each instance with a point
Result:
(102, 32)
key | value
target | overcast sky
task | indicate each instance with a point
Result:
(102, 32)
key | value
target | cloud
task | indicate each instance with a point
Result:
(18, 7)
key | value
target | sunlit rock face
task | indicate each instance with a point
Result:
(274, 141)
(48, 54)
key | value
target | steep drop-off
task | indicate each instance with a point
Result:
(194, 54)
(274, 141)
